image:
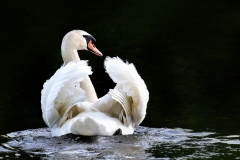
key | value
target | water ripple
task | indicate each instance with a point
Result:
(145, 143)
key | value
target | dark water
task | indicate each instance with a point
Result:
(186, 51)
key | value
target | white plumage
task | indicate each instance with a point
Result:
(69, 102)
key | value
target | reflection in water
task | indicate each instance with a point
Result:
(145, 143)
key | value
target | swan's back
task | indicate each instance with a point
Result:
(66, 108)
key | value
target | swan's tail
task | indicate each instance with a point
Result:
(61, 91)
(131, 91)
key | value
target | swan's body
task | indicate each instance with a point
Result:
(69, 101)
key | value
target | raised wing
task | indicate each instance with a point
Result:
(128, 100)
(62, 91)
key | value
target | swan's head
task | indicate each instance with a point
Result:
(79, 40)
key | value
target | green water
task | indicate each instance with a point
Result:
(187, 52)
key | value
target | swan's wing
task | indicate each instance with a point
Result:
(128, 100)
(62, 91)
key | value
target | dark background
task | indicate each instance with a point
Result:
(186, 51)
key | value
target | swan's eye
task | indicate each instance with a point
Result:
(89, 37)
(86, 37)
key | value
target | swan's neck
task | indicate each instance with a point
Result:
(88, 87)
(69, 55)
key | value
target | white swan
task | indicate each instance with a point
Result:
(69, 102)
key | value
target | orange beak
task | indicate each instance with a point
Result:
(93, 48)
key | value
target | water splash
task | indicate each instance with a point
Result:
(145, 143)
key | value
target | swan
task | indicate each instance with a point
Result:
(70, 104)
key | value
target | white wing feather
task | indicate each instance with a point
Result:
(63, 90)
(66, 109)
(131, 91)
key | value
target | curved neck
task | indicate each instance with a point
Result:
(69, 55)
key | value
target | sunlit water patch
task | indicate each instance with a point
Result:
(145, 143)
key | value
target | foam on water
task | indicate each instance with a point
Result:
(145, 143)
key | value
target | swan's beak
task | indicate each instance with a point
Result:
(93, 48)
